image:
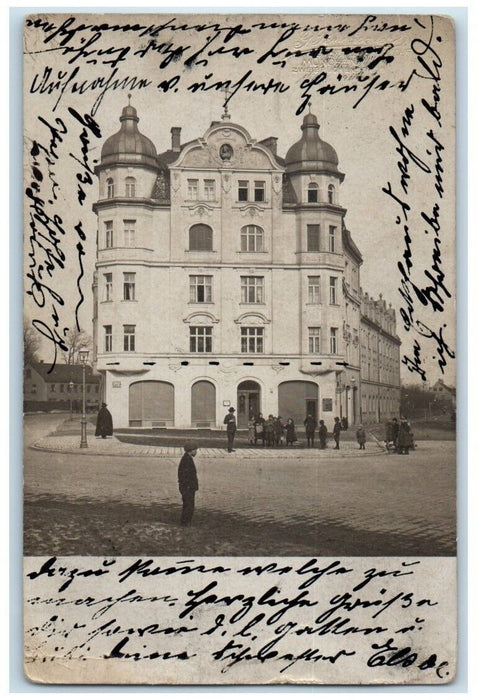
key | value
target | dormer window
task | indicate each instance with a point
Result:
(130, 187)
(313, 193)
(331, 194)
(110, 187)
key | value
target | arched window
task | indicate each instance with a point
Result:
(200, 237)
(130, 187)
(110, 187)
(312, 193)
(251, 239)
(331, 194)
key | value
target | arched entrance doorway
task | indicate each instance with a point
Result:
(248, 402)
(203, 404)
(297, 399)
(151, 404)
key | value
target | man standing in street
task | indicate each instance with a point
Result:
(336, 433)
(231, 424)
(188, 483)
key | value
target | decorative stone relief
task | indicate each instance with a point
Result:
(226, 183)
(277, 183)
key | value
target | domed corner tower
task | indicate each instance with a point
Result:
(312, 167)
(129, 164)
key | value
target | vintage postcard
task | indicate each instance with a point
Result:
(239, 367)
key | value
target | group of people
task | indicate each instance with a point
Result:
(272, 431)
(399, 436)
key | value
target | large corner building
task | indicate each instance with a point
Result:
(226, 276)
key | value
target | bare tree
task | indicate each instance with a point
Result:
(31, 342)
(75, 340)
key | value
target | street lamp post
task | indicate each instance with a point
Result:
(83, 356)
(70, 388)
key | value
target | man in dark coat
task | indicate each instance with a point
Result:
(336, 433)
(395, 430)
(322, 434)
(404, 440)
(310, 427)
(188, 483)
(231, 424)
(104, 422)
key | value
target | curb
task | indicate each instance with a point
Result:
(241, 454)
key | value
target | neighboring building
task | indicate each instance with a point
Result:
(225, 276)
(60, 386)
(443, 393)
(380, 384)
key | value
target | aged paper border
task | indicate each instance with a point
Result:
(460, 257)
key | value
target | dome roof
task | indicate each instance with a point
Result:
(311, 153)
(128, 144)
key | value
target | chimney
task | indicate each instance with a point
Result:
(271, 144)
(176, 138)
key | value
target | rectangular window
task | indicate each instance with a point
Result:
(243, 191)
(200, 288)
(108, 286)
(332, 239)
(109, 234)
(192, 189)
(62, 388)
(314, 339)
(251, 340)
(129, 286)
(252, 290)
(259, 191)
(129, 233)
(313, 238)
(129, 335)
(251, 239)
(333, 290)
(209, 190)
(53, 388)
(333, 341)
(314, 290)
(108, 338)
(200, 338)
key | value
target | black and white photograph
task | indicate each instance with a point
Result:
(239, 349)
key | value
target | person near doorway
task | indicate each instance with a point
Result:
(270, 430)
(310, 427)
(104, 422)
(260, 429)
(290, 432)
(251, 430)
(323, 435)
(344, 423)
(336, 433)
(231, 424)
(188, 482)
(361, 437)
(279, 431)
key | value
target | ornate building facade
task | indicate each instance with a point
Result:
(226, 276)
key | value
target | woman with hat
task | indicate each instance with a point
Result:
(104, 422)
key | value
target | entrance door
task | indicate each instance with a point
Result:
(311, 408)
(248, 402)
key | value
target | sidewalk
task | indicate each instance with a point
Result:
(67, 440)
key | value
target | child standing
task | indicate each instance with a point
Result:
(361, 437)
